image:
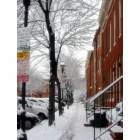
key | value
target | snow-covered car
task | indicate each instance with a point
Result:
(38, 101)
(33, 105)
(30, 120)
(116, 112)
(119, 108)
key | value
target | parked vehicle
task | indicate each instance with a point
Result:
(30, 120)
(119, 108)
(35, 106)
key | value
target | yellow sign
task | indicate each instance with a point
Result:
(23, 55)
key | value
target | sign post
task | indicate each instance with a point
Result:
(23, 55)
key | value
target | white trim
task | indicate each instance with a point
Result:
(120, 35)
(110, 43)
(120, 19)
(114, 44)
(114, 26)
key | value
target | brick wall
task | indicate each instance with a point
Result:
(106, 62)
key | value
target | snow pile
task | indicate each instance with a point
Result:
(20, 133)
(115, 113)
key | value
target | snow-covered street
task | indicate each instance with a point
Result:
(70, 126)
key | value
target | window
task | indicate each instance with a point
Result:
(107, 32)
(108, 37)
(119, 66)
(114, 28)
(99, 64)
(103, 43)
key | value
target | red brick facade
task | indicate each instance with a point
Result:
(90, 74)
(108, 50)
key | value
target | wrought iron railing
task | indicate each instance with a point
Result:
(106, 108)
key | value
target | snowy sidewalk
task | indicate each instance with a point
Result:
(70, 126)
(76, 130)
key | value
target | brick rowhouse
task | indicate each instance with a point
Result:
(106, 62)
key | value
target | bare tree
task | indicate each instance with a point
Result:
(73, 22)
(57, 24)
(73, 69)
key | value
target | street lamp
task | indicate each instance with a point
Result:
(66, 83)
(62, 65)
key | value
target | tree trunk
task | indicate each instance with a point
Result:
(53, 70)
(59, 97)
(52, 89)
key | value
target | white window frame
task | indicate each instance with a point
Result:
(110, 37)
(114, 18)
(120, 19)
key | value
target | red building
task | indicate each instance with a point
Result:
(90, 74)
(105, 64)
(40, 93)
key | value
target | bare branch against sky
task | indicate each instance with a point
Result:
(74, 23)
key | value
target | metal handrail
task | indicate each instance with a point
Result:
(96, 102)
(108, 128)
(91, 99)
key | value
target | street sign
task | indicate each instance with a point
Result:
(23, 54)
(23, 45)
(23, 67)
(23, 33)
